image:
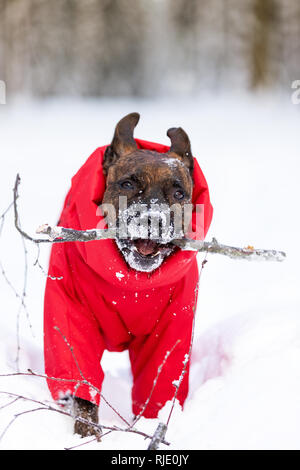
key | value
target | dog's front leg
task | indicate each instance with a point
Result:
(88, 411)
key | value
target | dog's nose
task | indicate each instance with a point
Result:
(155, 196)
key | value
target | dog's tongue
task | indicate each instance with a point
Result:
(146, 247)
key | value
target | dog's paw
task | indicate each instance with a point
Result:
(83, 411)
(85, 430)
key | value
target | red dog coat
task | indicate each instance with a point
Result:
(100, 303)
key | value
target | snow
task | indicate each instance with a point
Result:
(119, 275)
(172, 162)
(245, 374)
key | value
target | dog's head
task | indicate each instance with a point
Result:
(146, 189)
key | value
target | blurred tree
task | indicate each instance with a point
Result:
(265, 21)
(290, 41)
(108, 47)
(147, 47)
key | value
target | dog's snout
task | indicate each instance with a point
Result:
(158, 222)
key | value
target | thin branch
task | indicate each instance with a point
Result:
(158, 437)
(22, 301)
(22, 305)
(154, 383)
(37, 263)
(250, 253)
(44, 406)
(85, 381)
(30, 373)
(2, 217)
(188, 355)
(87, 442)
(11, 286)
(16, 215)
(162, 428)
(17, 416)
(61, 234)
(9, 403)
(6, 210)
(185, 362)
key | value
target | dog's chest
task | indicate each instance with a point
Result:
(139, 310)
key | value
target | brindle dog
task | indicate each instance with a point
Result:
(144, 177)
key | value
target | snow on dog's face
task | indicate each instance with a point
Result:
(148, 191)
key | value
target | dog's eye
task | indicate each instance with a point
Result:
(127, 185)
(179, 194)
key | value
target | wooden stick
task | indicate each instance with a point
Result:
(250, 253)
(61, 235)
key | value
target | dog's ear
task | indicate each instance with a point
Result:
(181, 147)
(123, 142)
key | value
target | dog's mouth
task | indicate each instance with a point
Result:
(148, 248)
(145, 237)
(144, 254)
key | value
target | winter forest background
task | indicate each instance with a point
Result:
(228, 72)
(141, 47)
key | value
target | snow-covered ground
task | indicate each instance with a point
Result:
(245, 372)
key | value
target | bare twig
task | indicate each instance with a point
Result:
(22, 296)
(61, 234)
(17, 416)
(162, 428)
(30, 373)
(2, 216)
(11, 286)
(44, 406)
(154, 383)
(6, 210)
(250, 253)
(38, 264)
(85, 381)
(87, 442)
(188, 356)
(22, 304)
(9, 403)
(158, 437)
(16, 215)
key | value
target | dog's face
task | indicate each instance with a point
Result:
(144, 187)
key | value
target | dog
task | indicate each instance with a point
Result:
(149, 179)
(137, 292)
